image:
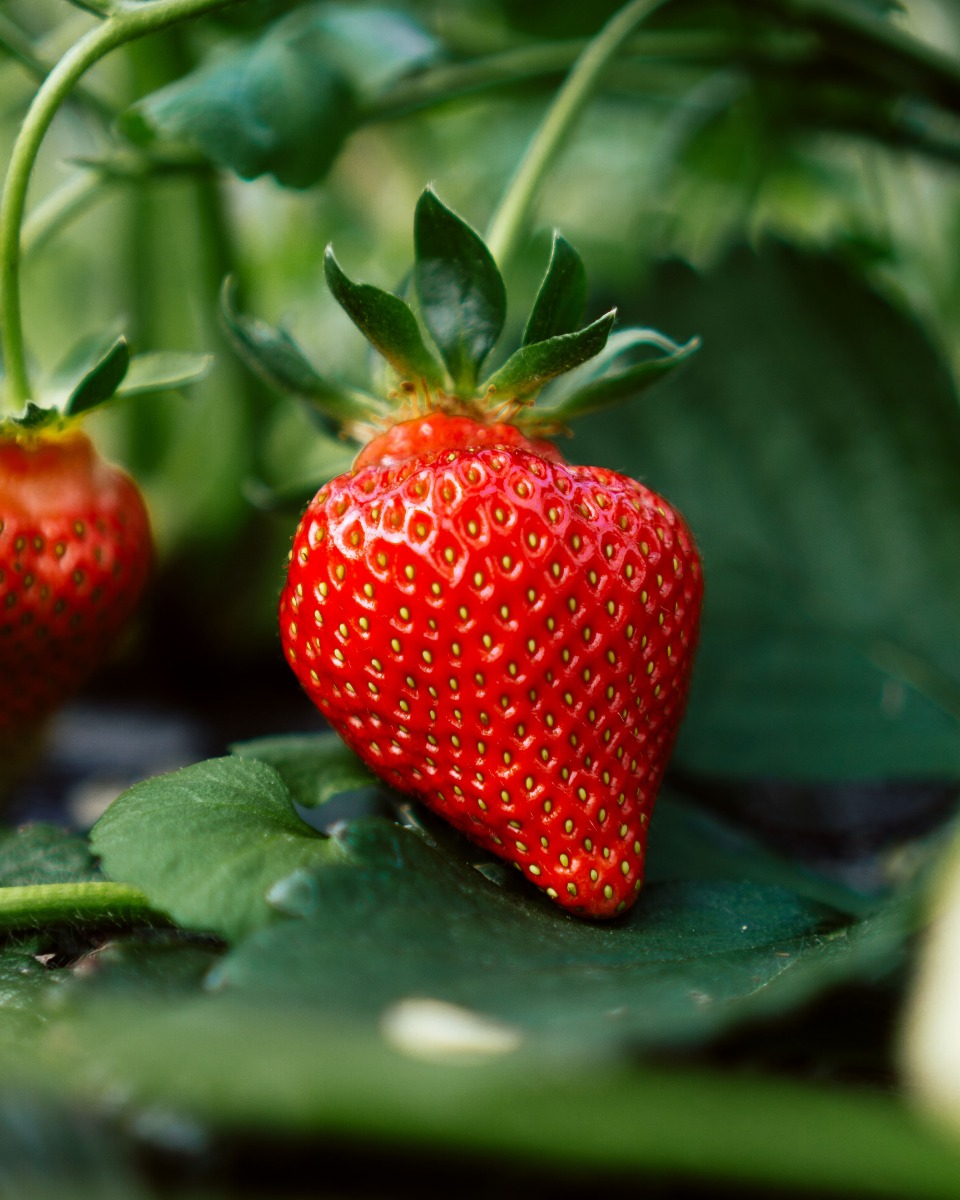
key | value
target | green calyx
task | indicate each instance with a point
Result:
(98, 371)
(438, 346)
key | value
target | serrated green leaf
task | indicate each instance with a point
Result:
(315, 767)
(463, 300)
(281, 105)
(276, 358)
(675, 968)
(562, 297)
(207, 843)
(101, 382)
(164, 370)
(529, 368)
(614, 375)
(386, 322)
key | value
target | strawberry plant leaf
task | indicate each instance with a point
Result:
(24, 985)
(41, 853)
(533, 365)
(208, 843)
(276, 358)
(281, 106)
(462, 296)
(374, 881)
(315, 767)
(562, 297)
(48, 1146)
(338, 1079)
(373, 45)
(386, 322)
(689, 842)
(101, 382)
(684, 963)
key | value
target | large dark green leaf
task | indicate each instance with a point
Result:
(407, 994)
(220, 846)
(689, 842)
(687, 959)
(813, 446)
(462, 295)
(615, 1124)
(281, 105)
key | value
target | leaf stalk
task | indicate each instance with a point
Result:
(38, 905)
(125, 23)
(509, 222)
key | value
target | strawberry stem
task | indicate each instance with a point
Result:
(38, 905)
(509, 222)
(124, 23)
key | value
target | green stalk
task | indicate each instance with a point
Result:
(438, 85)
(510, 220)
(46, 904)
(125, 23)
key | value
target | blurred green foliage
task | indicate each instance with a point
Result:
(778, 177)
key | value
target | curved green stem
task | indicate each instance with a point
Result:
(509, 221)
(125, 23)
(44, 904)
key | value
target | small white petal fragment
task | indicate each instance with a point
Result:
(435, 1031)
(931, 1041)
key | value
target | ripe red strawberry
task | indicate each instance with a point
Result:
(500, 634)
(507, 638)
(75, 552)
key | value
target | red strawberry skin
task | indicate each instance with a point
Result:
(507, 638)
(75, 553)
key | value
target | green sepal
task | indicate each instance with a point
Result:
(613, 376)
(33, 418)
(562, 298)
(99, 8)
(462, 296)
(386, 321)
(163, 371)
(277, 359)
(101, 381)
(527, 370)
